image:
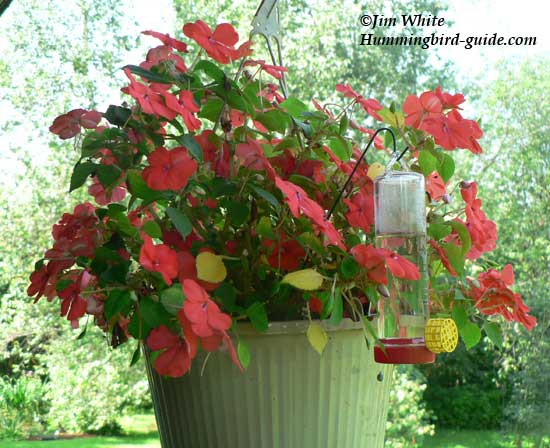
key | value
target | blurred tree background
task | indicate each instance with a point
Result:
(64, 55)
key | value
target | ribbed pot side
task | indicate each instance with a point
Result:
(289, 397)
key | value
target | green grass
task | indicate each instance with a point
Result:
(141, 432)
(475, 439)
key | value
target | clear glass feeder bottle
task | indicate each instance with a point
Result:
(400, 226)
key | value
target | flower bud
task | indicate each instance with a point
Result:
(465, 184)
(447, 198)
(383, 290)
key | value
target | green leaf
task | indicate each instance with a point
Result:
(349, 267)
(62, 284)
(210, 69)
(471, 334)
(306, 127)
(428, 163)
(226, 292)
(123, 224)
(395, 119)
(493, 331)
(463, 234)
(344, 123)
(136, 355)
(288, 142)
(81, 172)
(294, 106)
(211, 109)
(149, 75)
(438, 231)
(191, 144)
(459, 315)
(267, 196)
(317, 337)
(172, 299)
(274, 120)
(304, 279)
(180, 221)
(446, 167)
(237, 213)
(119, 301)
(258, 316)
(263, 228)
(154, 314)
(152, 229)
(455, 255)
(244, 353)
(139, 189)
(338, 309)
(108, 174)
(117, 115)
(340, 147)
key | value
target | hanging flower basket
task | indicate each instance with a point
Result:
(223, 209)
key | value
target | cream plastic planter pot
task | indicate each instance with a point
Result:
(289, 397)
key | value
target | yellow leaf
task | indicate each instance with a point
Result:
(210, 267)
(317, 337)
(375, 170)
(306, 279)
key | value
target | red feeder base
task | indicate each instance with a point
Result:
(403, 351)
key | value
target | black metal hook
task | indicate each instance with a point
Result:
(329, 214)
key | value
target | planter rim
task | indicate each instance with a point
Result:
(297, 327)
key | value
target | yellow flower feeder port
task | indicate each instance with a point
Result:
(441, 335)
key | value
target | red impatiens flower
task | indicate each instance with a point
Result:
(299, 202)
(370, 105)
(286, 256)
(169, 170)
(313, 169)
(449, 101)
(150, 101)
(220, 44)
(252, 157)
(44, 280)
(271, 93)
(213, 342)
(77, 234)
(68, 125)
(73, 305)
(214, 152)
(451, 131)
(494, 296)
(315, 305)
(418, 109)
(175, 360)
(203, 313)
(276, 71)
(158, 258)
(435, 186)
(483, 232)
(185, 106)
(443, 256)
(162, 53)
(167, 40)
(361, 208)
(103, 197)
(376, 260)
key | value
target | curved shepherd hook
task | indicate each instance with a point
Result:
(266, 23)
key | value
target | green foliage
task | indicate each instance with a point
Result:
(22, 406)
(408, 419)
(464, 390)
